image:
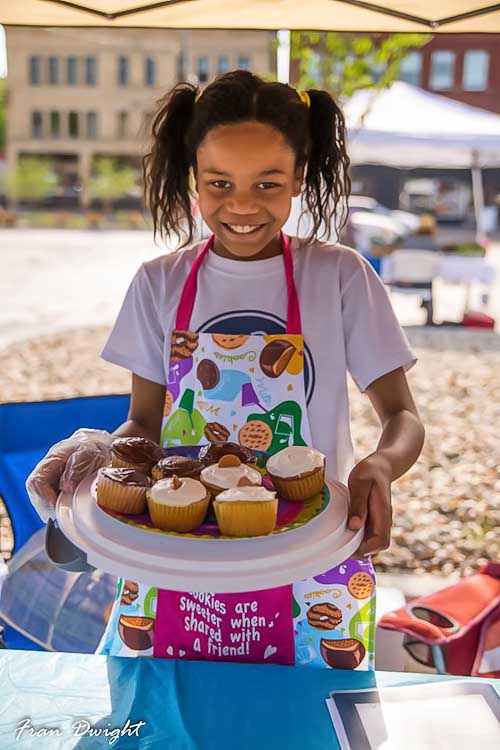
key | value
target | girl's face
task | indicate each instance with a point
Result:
(246, 179)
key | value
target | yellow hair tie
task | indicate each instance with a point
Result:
(305, 98)
(197, 97)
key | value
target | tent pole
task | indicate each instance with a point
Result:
(283, 56)
(478, 195)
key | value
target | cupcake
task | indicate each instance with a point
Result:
(298, 472)
(121, 489)
(178, 504)
(135, 453)
(181, 466)
(211, 454)
(227, 473)
(246, 510)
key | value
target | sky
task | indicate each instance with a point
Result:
(3, 57)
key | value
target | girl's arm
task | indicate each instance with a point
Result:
(398, 448)
(145, 412)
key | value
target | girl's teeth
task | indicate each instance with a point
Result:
(242, 229)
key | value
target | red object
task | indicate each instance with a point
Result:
(462, 621)
(474, 319)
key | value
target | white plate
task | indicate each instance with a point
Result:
(170, 562)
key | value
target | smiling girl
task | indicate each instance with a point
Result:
(248, 147)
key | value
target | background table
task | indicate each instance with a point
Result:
(186, 705)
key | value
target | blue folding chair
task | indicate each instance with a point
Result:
(27, 431)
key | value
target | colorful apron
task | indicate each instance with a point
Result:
(247, 389)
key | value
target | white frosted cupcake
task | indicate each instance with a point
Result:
(178, 504)
(227, 473)
(246, 510)
(298, 472)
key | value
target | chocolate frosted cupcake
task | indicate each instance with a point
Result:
(178, 504)
(227, 473)
(298, 472)
(211, 454)
(135, 453)
(122, 489)
(182, 466)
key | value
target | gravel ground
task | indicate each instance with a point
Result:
(446, 508)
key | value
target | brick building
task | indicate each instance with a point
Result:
(77, 94)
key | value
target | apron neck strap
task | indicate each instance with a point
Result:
(188, 295)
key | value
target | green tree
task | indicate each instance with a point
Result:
(32, 179)
(111, 181)
(342, 63)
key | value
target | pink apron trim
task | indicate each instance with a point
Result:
(188, 295)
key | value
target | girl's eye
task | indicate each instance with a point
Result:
(269, 185)
(219, 183)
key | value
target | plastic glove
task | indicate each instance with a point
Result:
(65, 465)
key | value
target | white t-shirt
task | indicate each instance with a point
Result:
(347, 321)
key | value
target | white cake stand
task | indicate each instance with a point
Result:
(208, 565)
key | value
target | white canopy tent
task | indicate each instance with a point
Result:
(451, 16)
(407, 127)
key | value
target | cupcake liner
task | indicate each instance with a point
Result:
(299, 489)
(178, 518)
(121, 497)
(244, 518)
(118, 463)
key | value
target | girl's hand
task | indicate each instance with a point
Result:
(65, 465)
(370, 490)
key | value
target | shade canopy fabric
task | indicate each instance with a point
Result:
(405, 127)
(457, 16)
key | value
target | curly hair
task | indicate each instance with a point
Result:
(185, 116)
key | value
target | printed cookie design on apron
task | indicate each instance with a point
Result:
(247, 389)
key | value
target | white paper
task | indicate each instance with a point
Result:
(444, 723)
(405, 719)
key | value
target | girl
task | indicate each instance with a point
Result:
(248, 147)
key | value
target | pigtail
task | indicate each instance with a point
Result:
(327, 180)
(167, 186)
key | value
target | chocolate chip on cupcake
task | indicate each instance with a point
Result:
(135, 453)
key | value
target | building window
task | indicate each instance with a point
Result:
(72, 71)
(123, 70)
(411, 68)
(53, 70)
(73, 124)
(203, 69)
(180, 67)
(36, 125)
(91, 124)
(222, 65)
(150, 72)
(243, 63)
(122, 124)
(90, 71)
(35, 77)
(55, 124)
(476, 68)
(442, 70)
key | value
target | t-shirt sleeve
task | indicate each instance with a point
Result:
(137, 338)
(375, 342)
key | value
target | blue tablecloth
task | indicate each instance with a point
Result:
(185, 705)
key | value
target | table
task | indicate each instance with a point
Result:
(186, 705)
